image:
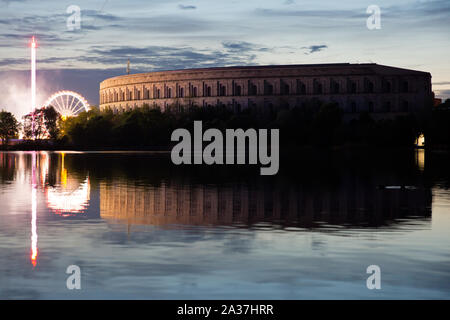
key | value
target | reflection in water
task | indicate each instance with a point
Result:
(353, 203)
(344, 192)
(67, 200)
(65, 196)
(34, 235)
(420, 159)
(309, 232)
(70, 196)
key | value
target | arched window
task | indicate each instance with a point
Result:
(368, 86)
(237, 90)
(351, 86)
(334, 86)
(301, 87)
(268, 88)
(317, 87)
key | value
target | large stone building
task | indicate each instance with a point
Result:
(378, 89)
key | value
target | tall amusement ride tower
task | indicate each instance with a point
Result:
(33, 78)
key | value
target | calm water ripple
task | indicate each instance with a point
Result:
(141, 228)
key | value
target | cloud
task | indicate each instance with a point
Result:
(170, 58)
(100, 15)
(239, 46)
(445, 94)
(189, 7)
(310, 13)
(315, 48)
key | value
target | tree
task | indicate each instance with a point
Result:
(9, 127)
(51, 119)
(39, 126)
(46, 124)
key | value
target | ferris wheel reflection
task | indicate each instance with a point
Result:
(68, 196)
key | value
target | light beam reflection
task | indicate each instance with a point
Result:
(34, 235)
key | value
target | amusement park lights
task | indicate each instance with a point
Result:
(67, 103)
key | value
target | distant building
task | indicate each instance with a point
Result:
(377, 89)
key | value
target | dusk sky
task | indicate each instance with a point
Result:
(164, 35)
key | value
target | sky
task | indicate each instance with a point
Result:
(172, 34)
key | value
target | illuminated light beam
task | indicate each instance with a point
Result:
(33, 80)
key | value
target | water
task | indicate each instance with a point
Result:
(141, 228)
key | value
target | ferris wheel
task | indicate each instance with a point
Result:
(67, 103)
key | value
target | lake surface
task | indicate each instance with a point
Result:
(141, 228)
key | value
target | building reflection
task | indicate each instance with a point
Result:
(353, 203)
(420, 159)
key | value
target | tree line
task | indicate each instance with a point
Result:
(313, 124)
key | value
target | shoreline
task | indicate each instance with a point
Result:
(167, 149)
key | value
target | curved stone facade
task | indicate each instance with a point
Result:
(355, 88)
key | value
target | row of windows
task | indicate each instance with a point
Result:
(268, 89)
